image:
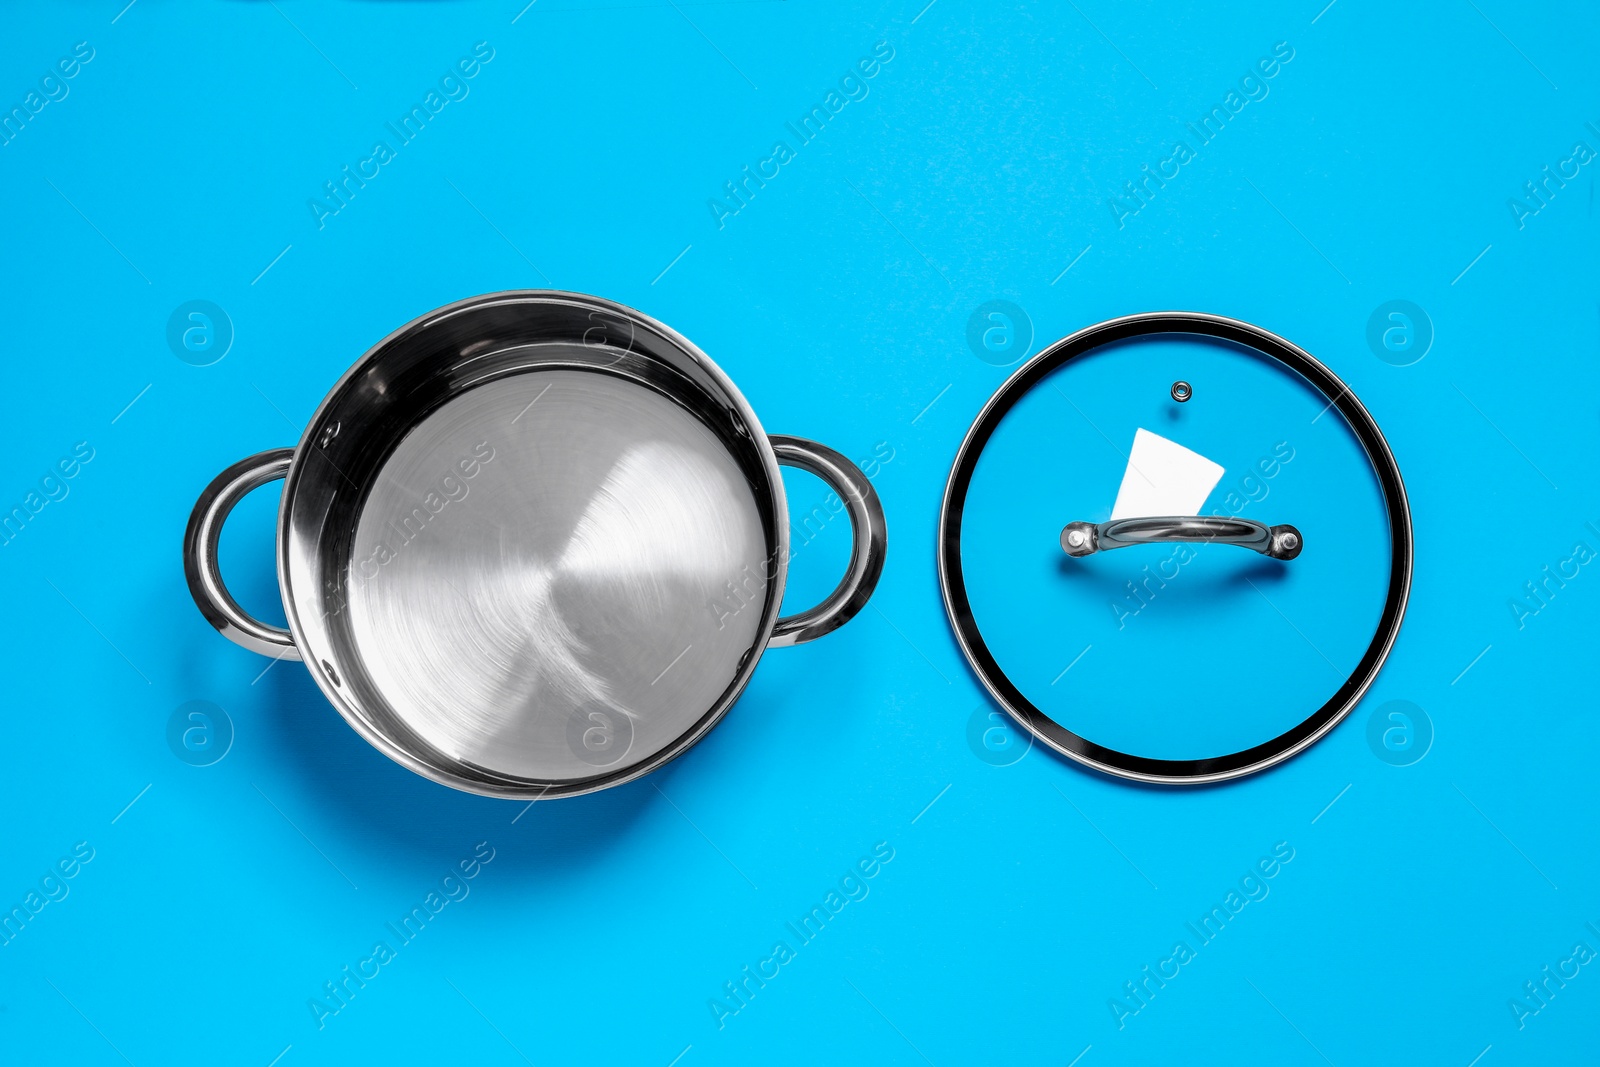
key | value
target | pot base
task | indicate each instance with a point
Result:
(555, 574)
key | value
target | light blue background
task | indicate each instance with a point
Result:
(1379, 167)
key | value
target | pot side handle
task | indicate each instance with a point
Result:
(200, 564)
(868, 547)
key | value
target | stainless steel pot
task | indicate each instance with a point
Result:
(533, 544)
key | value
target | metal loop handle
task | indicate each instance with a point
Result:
(1277, 542)
(200, 564)
(868, 546)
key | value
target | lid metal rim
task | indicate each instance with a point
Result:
(1125, 765)
(531, 789)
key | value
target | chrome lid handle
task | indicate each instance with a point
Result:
(1276, 542)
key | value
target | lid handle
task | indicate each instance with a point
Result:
(1086, 538)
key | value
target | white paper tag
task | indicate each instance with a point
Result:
(1164, 478)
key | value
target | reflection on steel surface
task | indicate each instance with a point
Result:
(1277, 542)
(579, 569)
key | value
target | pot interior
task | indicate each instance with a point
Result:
(529, 542)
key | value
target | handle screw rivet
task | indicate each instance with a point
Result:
(1181, 391)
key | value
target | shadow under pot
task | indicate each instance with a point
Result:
(533, 544)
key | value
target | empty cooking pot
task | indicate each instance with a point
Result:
(533, 544)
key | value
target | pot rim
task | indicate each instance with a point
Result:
(779, 550)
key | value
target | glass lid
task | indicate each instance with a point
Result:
(1175, 547)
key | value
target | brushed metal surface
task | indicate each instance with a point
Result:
(540, 583)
